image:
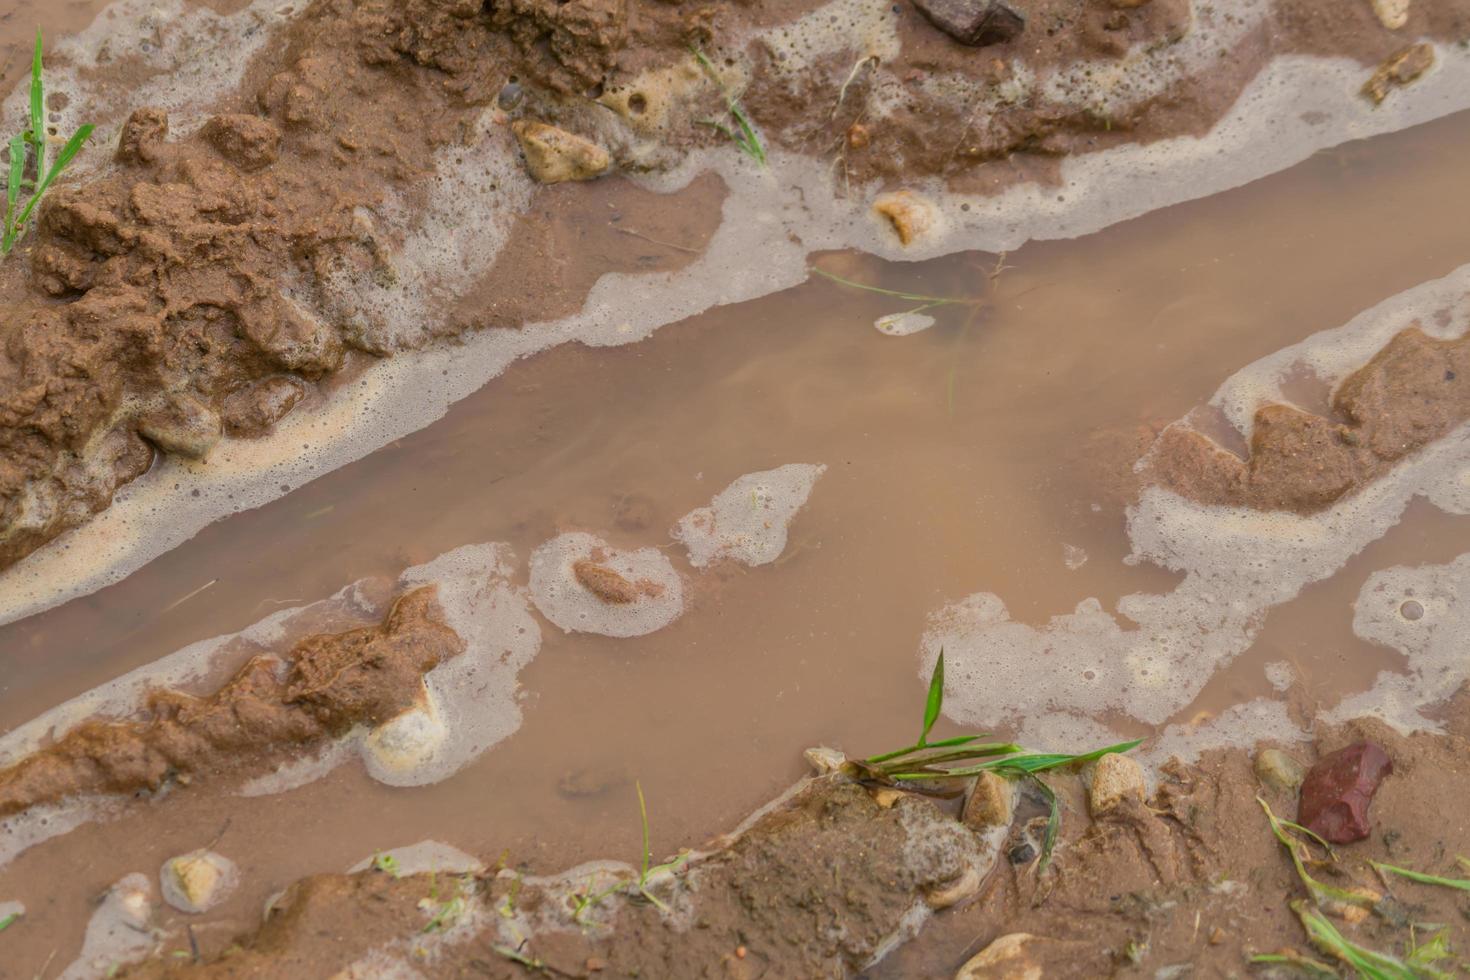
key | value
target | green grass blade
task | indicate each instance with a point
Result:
(935, 700)
(1053, 823)
(68, 151)
(12, 189)
(1419, 876)
(1370, 964)
(38, 109)
(915, 297)
(1042, 761)
(9, 921)
(1309, 966)
(643, 816)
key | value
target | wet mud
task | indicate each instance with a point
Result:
(720, 544)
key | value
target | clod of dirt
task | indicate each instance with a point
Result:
(267, 712)
(991, 803)
(974, 22)
(1014, 956)
(1278, 771)
(1116, 780)
(253, 408)
(1399, 70)
(1392, 14)
(1337, 790)
(249, 142)
(583, 584)
(911, 215)
(1410, 393)
(554, 155)
(197, 881)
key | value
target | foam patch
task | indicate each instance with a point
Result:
(584, 585)
(747, 521)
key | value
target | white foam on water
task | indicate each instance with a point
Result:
(748, 520)
(1433, 636)
(564, 600)
(1153, 657)
(472, 697)
(426, 855)
(772, 219)
(118, 932)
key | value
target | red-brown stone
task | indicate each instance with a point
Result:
(1338, 789)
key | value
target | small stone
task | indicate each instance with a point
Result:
(1399, 70)
(991, 803)
(824, 761)
(197, 881)
(1279, 771)
(555, 155)
(911, 215)
(408, 741)
(1337, 790)
(886, 796)
(1023, 852)
(1392, 14)
(1011, 957)
(253, 408)
(186, 427)
(858, 136)
(950, 894)
(973, 22)
(1115, 779)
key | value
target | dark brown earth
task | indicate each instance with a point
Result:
(1193, 877)
(269, 712)
(1413, 391)
(149, 315)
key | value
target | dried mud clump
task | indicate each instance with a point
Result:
(1413, 391)
(267, 712)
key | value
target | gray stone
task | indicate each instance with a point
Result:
(974, 22)
(1278, 771)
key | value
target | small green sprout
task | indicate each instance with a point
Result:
(1384, 870)
(1326, 896)
(589, 899)
(1007, 759)
(386, 863)
(33, 139)
(743, 135)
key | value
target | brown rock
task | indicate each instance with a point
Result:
(253, 408)
(186, 427)
(605, 583)
(911, 215)
(555, 155)
(1011, 957)
(973, 22)
(991, 803)
(1116, 779)
(1338, 789)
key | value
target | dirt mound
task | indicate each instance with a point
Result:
(268, 712)
(1413, 391)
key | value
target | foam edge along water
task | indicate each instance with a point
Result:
(772, 219)
(1238, 563)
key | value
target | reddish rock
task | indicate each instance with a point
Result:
(1338, 789)
(973, 22)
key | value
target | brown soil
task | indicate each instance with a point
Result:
(811, 889)
(172, 326)
(268, 713)
(1413, 391)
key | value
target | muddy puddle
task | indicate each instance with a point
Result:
(591, 565)
(993, 451)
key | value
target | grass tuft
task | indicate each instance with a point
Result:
(32, 142)
(1384, 870)
(743, 134)
(918, 763)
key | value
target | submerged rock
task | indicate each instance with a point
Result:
(1115, 780)
(1011, 957)
(581, 583)
(974, 22)
(197, 881)
(1338, 789)
(555, 155)
(1279, 771)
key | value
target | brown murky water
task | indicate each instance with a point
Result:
(960, 459)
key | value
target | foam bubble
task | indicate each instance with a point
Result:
(426, 855)
(583, 584)
(1154, 657)
(118, 932)
(747, 521)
